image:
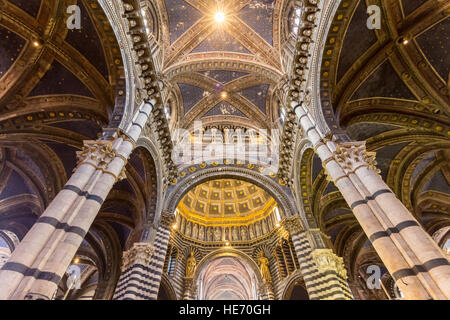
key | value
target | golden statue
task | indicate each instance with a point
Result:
(264, 267)
(190, 265)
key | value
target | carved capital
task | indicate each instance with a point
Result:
(353, 155)
(167, 219)
(122, 174)
(98, 153)
(326, 260)
(140, 253)
(293, 224)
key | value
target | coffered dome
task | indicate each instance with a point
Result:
(226, 201)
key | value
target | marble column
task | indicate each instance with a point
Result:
(140, 279)
(323, 272)
(39, 262)
(136, 276)
(413, 259)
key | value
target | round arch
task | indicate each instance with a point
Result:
(149, 145)
(283, 198)
(166, 289)
(231, 253)
(126, 103)
(295, 290)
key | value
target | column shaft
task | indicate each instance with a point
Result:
(38, 264)
(411, 256)
(140, 281)
(322, 282)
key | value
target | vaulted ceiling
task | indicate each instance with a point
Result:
(227, 278)
(223, 72)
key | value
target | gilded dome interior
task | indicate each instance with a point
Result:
(226, 201)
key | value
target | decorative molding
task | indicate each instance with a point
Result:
(298, 92)
(293, 224)
(326, 260)
(167, 219)
(140, 253)
(353, 155)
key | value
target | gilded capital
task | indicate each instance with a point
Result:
(293, 224)
(326, 260)
(167, 219)
(140, 253)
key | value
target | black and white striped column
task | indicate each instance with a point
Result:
(266, 291)
(141, 274)
(135, 277)
(413, 259)
(37, 265)
(323, 272)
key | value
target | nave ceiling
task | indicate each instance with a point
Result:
(224, 73)
(59, 87)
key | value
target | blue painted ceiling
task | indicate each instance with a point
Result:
(258, 14)
(223, 108)
(182, 16)
(221, 41)
(223, 76)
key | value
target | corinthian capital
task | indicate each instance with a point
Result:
(140, 253)
(293, 224)
(167, 219)
(97, 152)
(326, 260)
(353, 155)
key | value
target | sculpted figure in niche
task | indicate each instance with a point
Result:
(217, 234)
(264, 227)
(251, 232)
(188, 229)
(195, 231)
(258, 229)
(235, 234)
(264, 267)
(190, 265)
(210, 234)
(243, 234)
(201, 233)
(227, 234)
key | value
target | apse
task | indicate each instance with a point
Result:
(227, 210)
(227, 278)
